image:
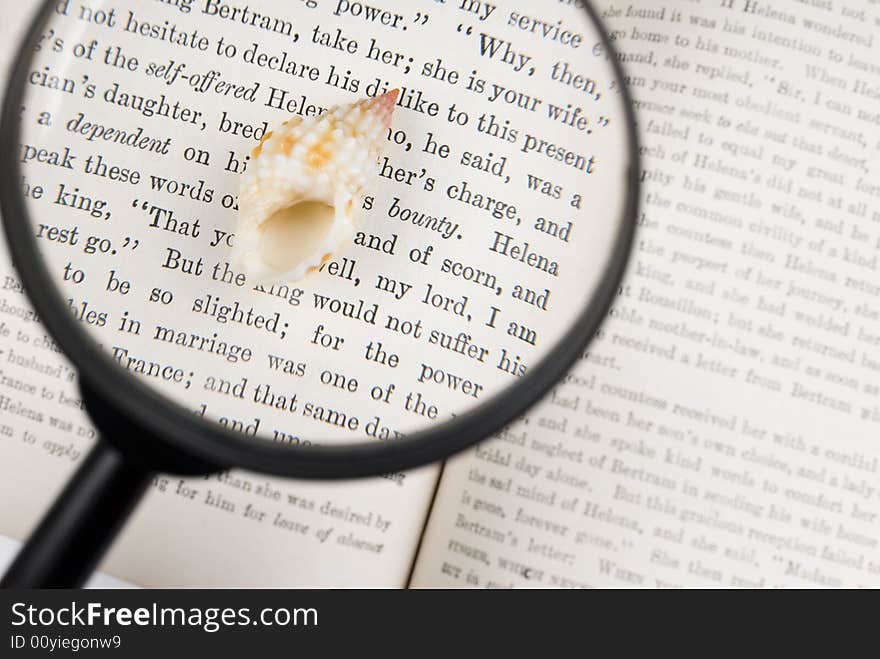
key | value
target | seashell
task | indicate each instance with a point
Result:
(303, 187)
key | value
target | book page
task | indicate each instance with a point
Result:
(140, 119)
(722, 430)
(232, 528)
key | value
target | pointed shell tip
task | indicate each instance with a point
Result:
(389, 99)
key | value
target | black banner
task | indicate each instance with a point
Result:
(256, 624)
(123, 623)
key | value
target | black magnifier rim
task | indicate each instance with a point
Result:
(182, 430)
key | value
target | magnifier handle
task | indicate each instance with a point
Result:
(71, 539)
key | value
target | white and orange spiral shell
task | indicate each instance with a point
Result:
(303, 187)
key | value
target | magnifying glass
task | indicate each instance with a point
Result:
(487, 243)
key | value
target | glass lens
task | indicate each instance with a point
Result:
(480, 236)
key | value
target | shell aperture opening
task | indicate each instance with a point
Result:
(303, 187)
(291, 235)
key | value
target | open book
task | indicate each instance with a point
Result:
(719, 431)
